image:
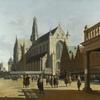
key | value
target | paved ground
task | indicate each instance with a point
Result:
(13, 90)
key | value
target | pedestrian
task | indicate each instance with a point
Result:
(24, 81)
(40, 84)
(57, 81)
(47, 80)
(52, 81)
(66, 80)
(32, 78)
(27, 80)
(69, 80)
(38, 81)
(78, 83)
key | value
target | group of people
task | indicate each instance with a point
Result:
(53, 81)
(67, 80)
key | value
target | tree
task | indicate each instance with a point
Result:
(65, 60)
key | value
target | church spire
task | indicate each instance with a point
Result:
(34, 34)
(15, 55)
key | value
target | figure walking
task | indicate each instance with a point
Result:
(66, 80)
(78, 83)
(69, 80)
(24, 81)
(40, 84)
(47, 80)
(27, 80)
(55, 81)
(52, 81)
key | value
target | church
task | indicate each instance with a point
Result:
(40, 53)
(50, 53)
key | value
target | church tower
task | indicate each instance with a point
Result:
(34, 34)
(15, 55)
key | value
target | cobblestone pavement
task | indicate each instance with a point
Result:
(14, 89)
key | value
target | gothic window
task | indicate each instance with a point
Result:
(37, 50)
(58, 65)
(40, 49)
(98, 30)
(59, 48)
(43, 47)
(47, 46)
(34, 50)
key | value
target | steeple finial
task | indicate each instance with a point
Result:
(15, 53)
(34, 34)
(67, 34)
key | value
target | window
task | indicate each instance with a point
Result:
(59, 48)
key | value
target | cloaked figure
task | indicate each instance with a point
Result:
(78, 83)
(40, 84)
(27, 80)
(24, 81)
(66, 80)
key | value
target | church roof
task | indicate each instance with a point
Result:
(45, 36)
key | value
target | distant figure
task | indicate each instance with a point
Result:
(24, 81)
(47, 80)
(32, 78)
(78, 83)
(69, 80)
(51, 81)
(66, 80)
(55, 81)
(27, 80)
(40, 84)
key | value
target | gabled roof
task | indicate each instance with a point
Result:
(45, 36)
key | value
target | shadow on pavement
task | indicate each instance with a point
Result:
(33, 94)
(11, 98)
(30, 94)
(95, 93)
(69, 95)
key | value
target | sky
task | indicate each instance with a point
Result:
(16, 17)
